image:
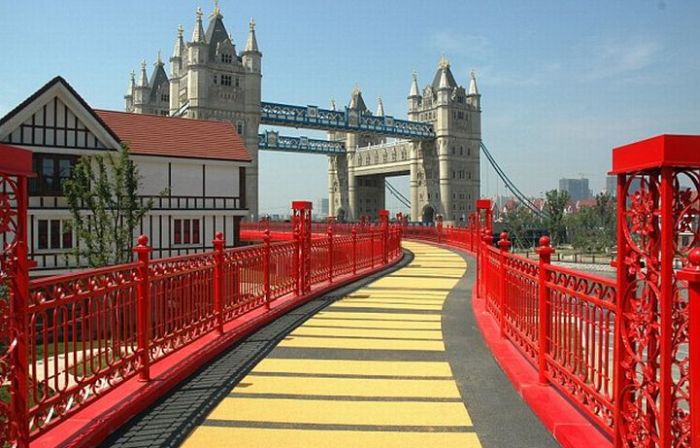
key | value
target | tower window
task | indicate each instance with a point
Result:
(237, 82)
(164, 97)
(225, 80)
(226, 58)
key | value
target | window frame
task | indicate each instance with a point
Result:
(186, 232)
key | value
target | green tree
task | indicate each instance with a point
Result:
(554, 208)
(593, 228)
(519, 222)
(103, 201)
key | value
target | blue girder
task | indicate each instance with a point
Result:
(349, 120)
(272, 141)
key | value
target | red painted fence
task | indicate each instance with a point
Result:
(626, 350)
(69, 340)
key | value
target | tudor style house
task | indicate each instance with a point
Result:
(194, 171)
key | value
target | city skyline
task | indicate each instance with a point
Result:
(580, 77)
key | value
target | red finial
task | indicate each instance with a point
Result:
(545, 241)
(142, 240)
(219, 235)
(694, 257)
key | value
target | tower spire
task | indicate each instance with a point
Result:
(380, 107)
(252, 43)
(414, 86)
(444, 82)
(198, 33)
(159, 60)
(143, 82)
(473, 89)
(132, 83)
(179, 43)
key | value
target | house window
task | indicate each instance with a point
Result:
(225, 80)
(52, 171)
(54, 234)
(186, 231)
(226, 58)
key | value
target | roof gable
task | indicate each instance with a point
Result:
(155, 135)
(56, 116)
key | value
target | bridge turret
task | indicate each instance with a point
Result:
(444, 88)
(380, 108)
(252, 58)
(129, 96)
(414, 99)
(141, 91)
(473, 97)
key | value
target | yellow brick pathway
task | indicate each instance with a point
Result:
(355, 398)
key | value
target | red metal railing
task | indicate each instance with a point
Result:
(89, 332)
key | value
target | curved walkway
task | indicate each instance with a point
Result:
(396, 363)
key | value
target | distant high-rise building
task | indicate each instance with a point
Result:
(611, 185)
(323, 202)
(577, 188)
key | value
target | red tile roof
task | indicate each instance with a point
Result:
(154, 135)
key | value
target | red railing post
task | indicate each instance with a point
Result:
(371, 248)
(545, 252)
(143, 316)
(384, 221)
(486, 242)
(266, 267)
(503, 245)
(19, 324)
(354, 249)
(691, 274)
(218, 242)
(296, 265)
(330, 253)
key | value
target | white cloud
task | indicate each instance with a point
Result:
(612, 58)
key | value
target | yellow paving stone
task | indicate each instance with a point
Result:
(377, 413)
(387, 305)
(348, 367)
(363, 344)
(215, 437)
(318, 321)
(362, 387)
(435, 335)
(413, 317)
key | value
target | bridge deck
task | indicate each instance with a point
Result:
(397, 362)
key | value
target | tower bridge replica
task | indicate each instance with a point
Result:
(438, 145)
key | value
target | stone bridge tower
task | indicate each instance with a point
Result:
(444, 172)
(209, 79)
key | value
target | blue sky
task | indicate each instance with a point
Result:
(562, 81)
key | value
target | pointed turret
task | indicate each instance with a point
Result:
(414, 87)
(251, 44)
(356, 101)
(198, 33)
(473, 97)
(333, 106)
(473, 89)
(443, 69)
(159, 84)
(132, 84)
(444, 82)
(380, 108)
(252, 56)
(414, 99)
(129, 96)
(143, 80)
(178, 52)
